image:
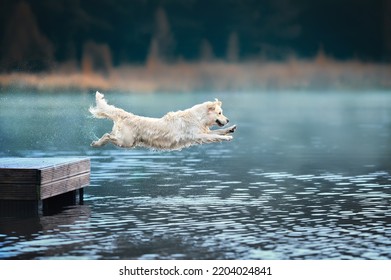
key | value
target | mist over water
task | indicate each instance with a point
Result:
(307, 176)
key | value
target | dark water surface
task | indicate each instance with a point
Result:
(307, 176)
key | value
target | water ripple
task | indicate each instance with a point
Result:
(290, 186)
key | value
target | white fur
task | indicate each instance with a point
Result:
(174, 131)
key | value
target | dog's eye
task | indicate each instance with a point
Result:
(219, 113)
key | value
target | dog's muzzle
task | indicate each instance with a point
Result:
(219, 123)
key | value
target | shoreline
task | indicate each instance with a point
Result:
(210, 76)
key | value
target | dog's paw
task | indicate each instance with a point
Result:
(231, 129)
(228, 138)
(93, 144)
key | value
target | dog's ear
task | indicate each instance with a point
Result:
(211, 106)
(218, 102)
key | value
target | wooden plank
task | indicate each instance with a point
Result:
(19, 170)
(36, 163)
(9, 176)
(59, 172)
(65, 185)
(19, 192)
(41, 178)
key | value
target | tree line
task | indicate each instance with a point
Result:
(38, 35)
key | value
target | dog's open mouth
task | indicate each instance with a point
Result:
(219, 123)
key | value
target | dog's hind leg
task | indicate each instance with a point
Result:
(102, 141)
(109, 137)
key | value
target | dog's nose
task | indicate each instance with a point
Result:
(227, 120)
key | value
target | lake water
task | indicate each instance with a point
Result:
(307, 176)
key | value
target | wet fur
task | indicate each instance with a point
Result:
(174, 131)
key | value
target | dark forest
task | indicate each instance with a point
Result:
(273, 29)
(98, 36)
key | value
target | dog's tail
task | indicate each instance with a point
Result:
(104, 110)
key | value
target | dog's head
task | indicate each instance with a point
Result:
(215, 113)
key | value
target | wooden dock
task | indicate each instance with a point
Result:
(36, 179)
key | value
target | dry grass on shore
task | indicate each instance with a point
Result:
(321, 73)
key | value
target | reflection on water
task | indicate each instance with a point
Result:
(306, 177)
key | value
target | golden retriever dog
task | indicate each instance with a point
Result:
(173, 131)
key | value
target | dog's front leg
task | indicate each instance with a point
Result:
(210, 138)
(224, 131)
